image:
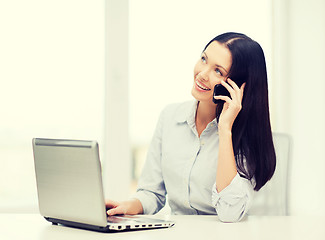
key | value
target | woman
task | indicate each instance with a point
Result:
(210, 157)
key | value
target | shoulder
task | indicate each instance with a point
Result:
(179, 111)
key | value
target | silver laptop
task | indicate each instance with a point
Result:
(70, 189)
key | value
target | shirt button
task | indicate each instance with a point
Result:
(202, 143)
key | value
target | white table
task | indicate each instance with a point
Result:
(33, 226)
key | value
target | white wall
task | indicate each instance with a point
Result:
(167, 38)
(296, 32)
(53, 52)
(299, 99)
(64, 74)
(52, 60)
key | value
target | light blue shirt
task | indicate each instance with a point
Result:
(183, 165)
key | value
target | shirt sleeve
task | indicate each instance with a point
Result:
(151, 188)
(233, 202)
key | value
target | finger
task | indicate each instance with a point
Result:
(242, 91)
(224, 98)
(238, 91)
(233, 84)
(229, 88)
(111, 204)
(116, 211)
(242, 88)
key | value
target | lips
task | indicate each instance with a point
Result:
(201, 87)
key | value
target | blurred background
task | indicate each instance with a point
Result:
(103, 70)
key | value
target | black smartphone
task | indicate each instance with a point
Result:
(219, 90)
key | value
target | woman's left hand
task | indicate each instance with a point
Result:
(232, 106)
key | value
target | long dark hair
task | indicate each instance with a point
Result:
(251, 131)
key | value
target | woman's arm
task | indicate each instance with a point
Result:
(233, 202)
(226, 167)
(232, 194)
(151, 193)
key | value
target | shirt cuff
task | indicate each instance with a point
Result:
(145, 198)
(234, 192)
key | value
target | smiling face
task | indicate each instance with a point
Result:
(212, 67)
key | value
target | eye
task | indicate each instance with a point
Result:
(218, 72)
(203, 59)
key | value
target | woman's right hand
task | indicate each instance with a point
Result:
(130, 207)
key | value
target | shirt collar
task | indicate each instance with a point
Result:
(187, 112)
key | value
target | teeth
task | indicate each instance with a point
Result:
(204, 88)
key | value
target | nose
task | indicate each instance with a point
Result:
(203, 75)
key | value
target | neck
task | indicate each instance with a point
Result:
(205, 113)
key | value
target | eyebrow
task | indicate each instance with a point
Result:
(216, 64)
